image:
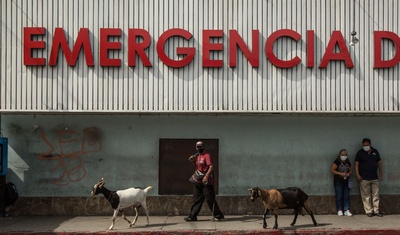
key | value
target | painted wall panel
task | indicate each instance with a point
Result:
(194, 88)
(64, 155)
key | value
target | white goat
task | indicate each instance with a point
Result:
(131, 197)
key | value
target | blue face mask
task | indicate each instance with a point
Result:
(366, 148)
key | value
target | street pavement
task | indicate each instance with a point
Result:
(235, 224)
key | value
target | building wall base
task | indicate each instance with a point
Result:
(180, 205)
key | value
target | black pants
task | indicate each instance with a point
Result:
(207, 192)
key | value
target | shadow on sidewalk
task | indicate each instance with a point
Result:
(245, 218)
(23, 223)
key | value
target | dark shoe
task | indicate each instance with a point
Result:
(379, 214)
(188, 219)
(370, 214)
(219, 218)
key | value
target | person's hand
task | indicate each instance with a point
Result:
(380, 176)
(205, 180)
(192, 158)
(359, 178)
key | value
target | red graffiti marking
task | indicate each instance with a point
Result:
(71, 148)
(90, 142)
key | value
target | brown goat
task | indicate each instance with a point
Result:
(288, 198)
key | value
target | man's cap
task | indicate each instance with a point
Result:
(200, 143)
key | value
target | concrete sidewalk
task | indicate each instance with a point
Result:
(247, 224)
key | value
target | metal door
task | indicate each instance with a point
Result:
(175, 168)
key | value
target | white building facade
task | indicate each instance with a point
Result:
(276, 82)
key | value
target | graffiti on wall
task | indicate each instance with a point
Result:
(68, 149)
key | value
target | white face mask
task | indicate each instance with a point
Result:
(366, 148)
(343, 158)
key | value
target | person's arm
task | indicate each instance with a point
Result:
(380, 170)
(333, 169)
(335, 172)
(193, 159)
(350, 171)
(357, 166)
(208, 173)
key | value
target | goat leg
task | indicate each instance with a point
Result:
(136, 216)
(265, 214)
(276, 220)
(124, 217)
(113, 219)
(144, 205)
(313, 219)
(311, 214)
(296, 213)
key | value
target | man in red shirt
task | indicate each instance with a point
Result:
(205, 190)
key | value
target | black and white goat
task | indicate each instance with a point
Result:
(131, 197)
(288, 198)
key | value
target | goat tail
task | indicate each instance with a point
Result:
(147, 189)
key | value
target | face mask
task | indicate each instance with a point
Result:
(366, 148)
(343, 158)
(201, 150)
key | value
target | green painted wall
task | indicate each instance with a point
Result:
(64, 155)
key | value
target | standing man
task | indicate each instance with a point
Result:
(204, 190)
(368, 162)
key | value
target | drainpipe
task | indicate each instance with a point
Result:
(2, 178)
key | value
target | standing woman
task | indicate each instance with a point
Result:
(341, 169)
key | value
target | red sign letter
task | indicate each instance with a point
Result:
(105, 46)
(378, 62)
(29, 45)
(207, 47)
(82, 40)
(310, 48)
(236, 40)
(189, 52)
(269, 46)
(136, 47)
(337, 38)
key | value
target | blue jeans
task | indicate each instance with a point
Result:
(342, 192)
